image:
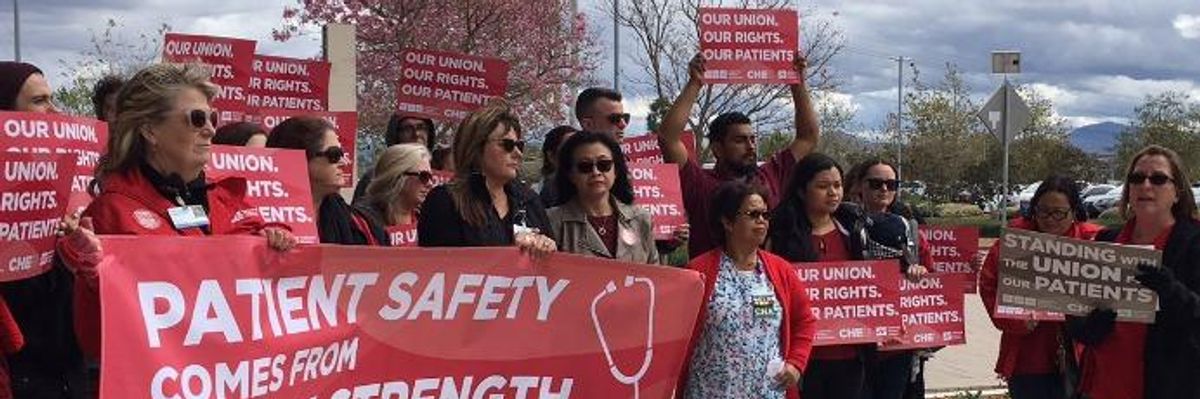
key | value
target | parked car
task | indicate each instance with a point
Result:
(913, 187)
(1096, 189)
(1026, 195)
(1097, 204)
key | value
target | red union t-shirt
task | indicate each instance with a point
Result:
(832, 247)
(699, 185)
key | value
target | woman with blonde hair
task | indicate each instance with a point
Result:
(402, 178)
(485, 204)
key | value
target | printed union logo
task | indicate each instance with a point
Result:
(146, 219)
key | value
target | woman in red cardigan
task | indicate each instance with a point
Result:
(1029, 349)
(755, 330)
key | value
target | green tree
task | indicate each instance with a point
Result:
(943, 136)
(1170, 119)
(110, 53)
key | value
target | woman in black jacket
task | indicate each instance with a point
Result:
(485, 204)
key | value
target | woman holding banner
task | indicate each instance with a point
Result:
(595, 215)
(755, 329)
(485, 204)
(814, 225)
(402, 179)
(1162, 360)
(337, 221)
(151, 182)
(1029, 349)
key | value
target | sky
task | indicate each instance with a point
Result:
(1095, 59)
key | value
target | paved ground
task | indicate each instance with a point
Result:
(970, 365)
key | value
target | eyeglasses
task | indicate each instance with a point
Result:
(509, 144)
(1157, 179)
(756, 214)
(617, 119)
(333, 154)
(424, 176)
(1055, 214)
(198, 118)
(587, 167)
(877, 184)
(409, 129)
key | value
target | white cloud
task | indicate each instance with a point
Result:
(1188, 26)
(1081, 121)
(1059, 96)
(836, 100)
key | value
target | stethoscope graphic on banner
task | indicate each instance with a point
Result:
(636, 378)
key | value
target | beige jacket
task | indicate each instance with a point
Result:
(635, 238)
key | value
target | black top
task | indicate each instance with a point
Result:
(790, 232)
(442, 225)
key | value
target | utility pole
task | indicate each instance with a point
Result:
(616, 45)
(17, 30)
(899, 116)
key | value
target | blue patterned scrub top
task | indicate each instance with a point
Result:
(739, 338)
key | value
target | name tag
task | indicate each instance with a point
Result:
(763, 302)
(186, 217)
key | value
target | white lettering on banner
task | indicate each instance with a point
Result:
(281, 67)
(284, 214)
(493, 386)
(265, 189)
(938, 235)
(482, 290)
(200, 49)
(256, 377)
(711, 18)
(29, 229)
(1060, 248)
(26, 171)
(281, 299)
(286, 85)
(27, 201)
(285, 102)
(244, 162)
(46, 129)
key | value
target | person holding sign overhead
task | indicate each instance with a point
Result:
(402, 179)
(337, 221)
(1162, 360)
(1029, 349)
(485, 204)
(755, 329)
(595, 215)
(732, 142)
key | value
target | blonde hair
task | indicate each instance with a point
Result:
(146, 99)
(470, 139)
(1185, 204)
(389, 178)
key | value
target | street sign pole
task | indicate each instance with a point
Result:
(1004, 140)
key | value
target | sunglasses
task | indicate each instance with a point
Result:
(332, 154)
(199, 118)
(587, 167)
(1055, 214)
(877, 184)
(424, 176)
(754, 215)
(617, 119)
(1157, 179)
(509, 145)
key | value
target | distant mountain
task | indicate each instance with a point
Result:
(1099, 138)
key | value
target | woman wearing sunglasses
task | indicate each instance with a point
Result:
(485, 204)
(755, 329)
(402, 179)
(1160, 360)
(151, 181)
(337, 221)
(595, 215)
(1029, 350)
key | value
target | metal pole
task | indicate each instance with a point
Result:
(1004, 142)
(17, 30)
(616, 45)
(899, 117)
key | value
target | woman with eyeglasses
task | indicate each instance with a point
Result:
(486, 204)
(402, 179)
(1159, 360)
(154, 168)
(337, 221)
(812, 224)
(595, 215)
(1029, 350)
(755, 329)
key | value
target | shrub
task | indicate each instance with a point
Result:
(954, 210)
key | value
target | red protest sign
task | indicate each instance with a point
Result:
(656, 189)
(447, 86)
(403, 235)
(345, 123)
(231, 61)
(330, 321)
(276, 184)
(953, 249)
(645, 148)
(854, 302)
(41, 133)
(1013, 312)
(932, 311)
(289, 83)
(749, 46)
(33, 199)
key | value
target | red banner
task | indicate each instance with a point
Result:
(289, 83)
(447, 86)
(645, 148)
(403, 235)
(231, 61)
(276, 184)
(749, 46)
(346, 124)
(234, 319)
(932, 311)
(854, 302)
(33, 199)
(954, 249)
(656, 189)
(41, 133)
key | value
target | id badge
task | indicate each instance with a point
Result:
(186, 217)
(763, 302)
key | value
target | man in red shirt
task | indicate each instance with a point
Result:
(731, 139)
